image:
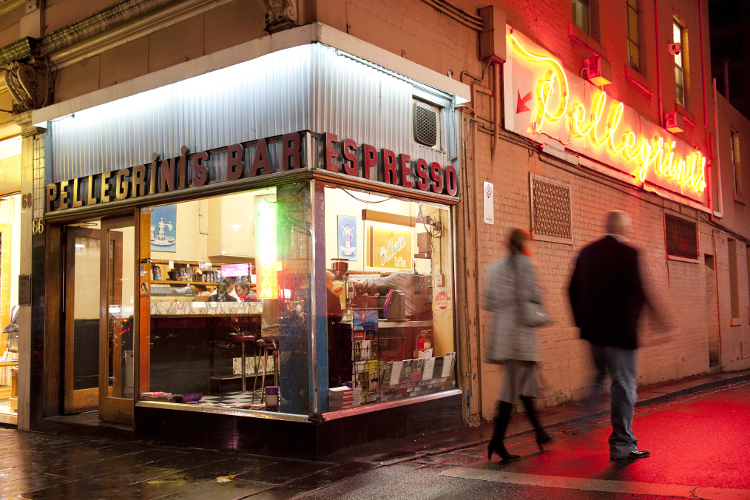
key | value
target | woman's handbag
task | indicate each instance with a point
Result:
(532, 313)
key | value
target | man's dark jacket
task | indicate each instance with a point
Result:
(606, 293)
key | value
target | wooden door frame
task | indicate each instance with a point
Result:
(74, 401)
(112, 408)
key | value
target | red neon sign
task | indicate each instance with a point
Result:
(573, 112)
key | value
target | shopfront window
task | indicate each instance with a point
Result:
(10, 258)
(229, 280)
(389, 286)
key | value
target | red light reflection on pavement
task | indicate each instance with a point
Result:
(701, 440)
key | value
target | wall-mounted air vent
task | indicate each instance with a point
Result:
(426, 125)
(551, 210)
(682, 237)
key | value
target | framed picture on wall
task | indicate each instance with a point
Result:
(164, 229)
(347, 231)
(388, 247)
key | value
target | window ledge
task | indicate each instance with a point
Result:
(686, 115)
(635, 78)
(574, 32)
(735, 322)
(683, 259)
(739, 198)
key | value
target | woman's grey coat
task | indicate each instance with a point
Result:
(510, 281)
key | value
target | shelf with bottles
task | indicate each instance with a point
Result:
(184, 272)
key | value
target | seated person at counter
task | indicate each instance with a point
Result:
(244, 293)
(229, 284)
(243, 290)
(418, 306)
(221, 295)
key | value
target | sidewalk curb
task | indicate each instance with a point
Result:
(669, 396)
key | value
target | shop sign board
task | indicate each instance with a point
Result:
(348, 157)
(388, 247)
(553, 106)
(249, 160)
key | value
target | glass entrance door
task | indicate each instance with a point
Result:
(117, 320)
(82, 282)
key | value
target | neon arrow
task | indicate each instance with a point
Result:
(521, 106)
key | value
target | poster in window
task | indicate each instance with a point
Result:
(164, 229)
(388, 247)
(347, 231)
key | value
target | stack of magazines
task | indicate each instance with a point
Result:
(342, 398)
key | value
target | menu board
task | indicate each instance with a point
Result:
(388, 247)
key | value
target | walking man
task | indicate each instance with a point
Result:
(607, 297)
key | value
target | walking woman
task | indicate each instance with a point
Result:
(511, 283)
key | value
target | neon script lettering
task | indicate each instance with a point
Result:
(688, 172)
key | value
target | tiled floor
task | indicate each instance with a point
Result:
(235, 400)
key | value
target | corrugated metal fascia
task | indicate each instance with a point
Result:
(357, 101)
(264, 97)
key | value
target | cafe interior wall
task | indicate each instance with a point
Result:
(338, 202)
(10, 231)
(10, 226)
(219, 229)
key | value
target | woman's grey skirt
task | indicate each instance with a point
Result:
(520, 380)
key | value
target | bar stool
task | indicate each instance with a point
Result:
(265, 348)
(243, 337)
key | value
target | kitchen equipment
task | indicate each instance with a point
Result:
(394, 307)
(340, 267)
(166, 293)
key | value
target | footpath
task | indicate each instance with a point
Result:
(551, 417)
(37, 465)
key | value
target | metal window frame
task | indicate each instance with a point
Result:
(734, 137)
(628, 8)
(587, 4)
(543, 237)
(681, 64)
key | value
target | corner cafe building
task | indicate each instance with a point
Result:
(321, 184)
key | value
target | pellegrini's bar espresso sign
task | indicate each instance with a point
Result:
(252, 160)
(548, 104)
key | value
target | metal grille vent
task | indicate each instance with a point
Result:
(682, 237)
(425, 124)
(551, 209)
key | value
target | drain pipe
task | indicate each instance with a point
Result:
(467, 218)
(478, 291)
(716, 278)
(658, 63)
(496, 102)
(716, 165)
(703, 67)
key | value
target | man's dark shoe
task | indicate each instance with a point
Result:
(633, 455)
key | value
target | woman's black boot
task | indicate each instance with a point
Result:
(501, 424)
(542, 437)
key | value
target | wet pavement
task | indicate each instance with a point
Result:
(43, 466)
(700, 447)
(700, 444)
